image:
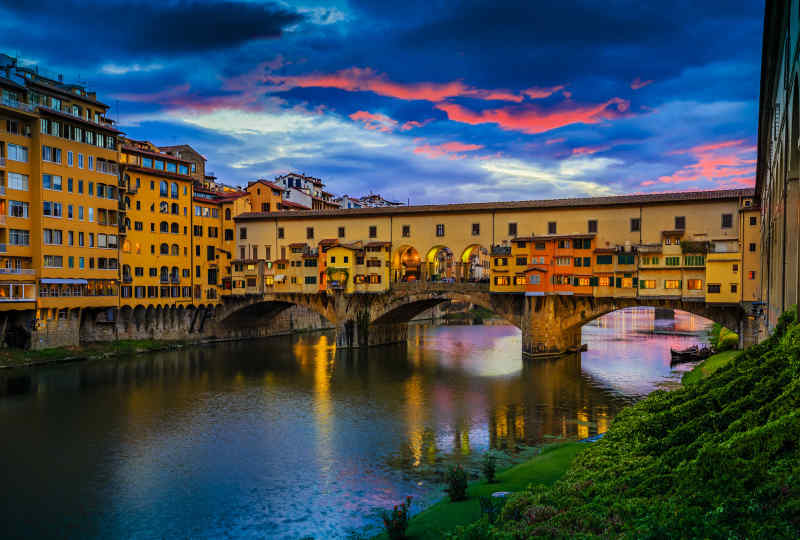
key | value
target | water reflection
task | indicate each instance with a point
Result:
(287, 437)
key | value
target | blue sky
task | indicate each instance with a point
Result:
(433, 101)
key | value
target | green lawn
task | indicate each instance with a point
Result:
(708, 366)
(444, 516)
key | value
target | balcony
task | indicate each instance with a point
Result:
(105, 167)
(18, 271)
(13, 103)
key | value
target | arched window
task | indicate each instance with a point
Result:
(174, 209)
(127, 202)
(164, 273)
(126, 270)
(163, 226)
(164, 207)
(175, 273)
(127, 223)
(165, 249)
(175, 250)
(126, 246)
(174, 190)
(174, 228)
(163, 188)
(228, 213)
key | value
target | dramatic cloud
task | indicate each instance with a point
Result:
(534, 119)
(374, 121)
(453, 150)
(727, 164)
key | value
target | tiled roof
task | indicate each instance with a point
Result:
(620, 200)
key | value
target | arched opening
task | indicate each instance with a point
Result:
(474, 264)
(406, 264)
(440, 264)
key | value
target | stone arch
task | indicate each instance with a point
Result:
(474, 263)
(139, 316)
(180, 316)
(159, 317)
(406, 264)
(149, 317)
(126, 316)
(439, 263)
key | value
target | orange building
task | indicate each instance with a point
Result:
(560, 264)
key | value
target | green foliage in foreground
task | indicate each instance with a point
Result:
(434, 522)
(708, 366)
(722, 339)
(715, 459)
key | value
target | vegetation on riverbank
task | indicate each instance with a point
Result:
(722, 339)
(437, 520)
(22, 358)
(708, 366)
(719, 458)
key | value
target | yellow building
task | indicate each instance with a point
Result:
(208, 259)
(723, 271)
(156, 251)
(508, 265)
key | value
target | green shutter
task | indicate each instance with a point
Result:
(635, 282)
(680, 284)
(619, 283)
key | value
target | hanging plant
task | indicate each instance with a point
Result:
(333, 270)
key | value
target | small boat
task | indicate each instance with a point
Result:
(692, 354)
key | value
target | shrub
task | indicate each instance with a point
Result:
(722, 339)
(489, 467)
(396, 521)
(456, 480)
(491, 507)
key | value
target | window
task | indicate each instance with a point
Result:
(534, 278)
(19, 237)
(628, 258)
(210, 253)
(309, 232)
(647, 284)
(69, 185)
(310, 280)
(280, 232)
(242, 233)
(51, 154)
(501, 261)
(636, 224)
(440, 229)
(174, 193)
(592, 225)
(672, 284)
(51, 209)
(694, 284)
(53, 261)
(90, 189)
(18, 181)
(164, 249)
(752, 246)
(341, 232)
(753, 220)
(512, 229)
(476, 229)
(80, 161)
(604, 281)
(18, 209)
(578, 261)
(714, 288)
(213, 232)
(172, 167)
(51, 236)
(406, 231)
(502, 281)
(17, 152)
(734, 288)
(197, 230)
(727, 221)
(735, 268)
(751, 274)
(672, 261)
(521, 261)
(373, 231)
(51, 182)
(605, 259)
(551, 227)
(680, 223)
(694, 260)
(564, 261)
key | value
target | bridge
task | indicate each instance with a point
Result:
(549, 324)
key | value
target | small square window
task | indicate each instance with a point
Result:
(753, 220)
(551, 227)
(512, 229)
(440, 229)
(406, 231)
(636, 224)
(680, 223)
(341, 232)
(592, 225)
(476, 229)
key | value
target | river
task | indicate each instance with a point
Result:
(285, 437)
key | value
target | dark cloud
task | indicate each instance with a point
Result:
(100, 30)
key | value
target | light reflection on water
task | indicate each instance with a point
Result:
(286, 437)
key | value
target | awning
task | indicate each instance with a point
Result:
(63, 281)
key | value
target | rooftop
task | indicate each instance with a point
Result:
(620, 200)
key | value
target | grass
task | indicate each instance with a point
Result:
(20, 358)
(442, 517)
(708, 366)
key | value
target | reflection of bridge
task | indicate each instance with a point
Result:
(548, 323)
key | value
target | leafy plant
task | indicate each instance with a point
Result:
(396, 521)
(489, 466)
(491, 507)
(456, 480)
(722, 339)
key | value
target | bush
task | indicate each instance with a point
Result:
(489, 467)
(722, 339)
(456, 480)
(396, 521)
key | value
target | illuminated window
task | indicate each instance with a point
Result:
(751, 274)
(582, 281)
(647, 284)
(269, 281)
(519, 280)
(503, 281)
(694, 284)
(672, 284)
(603, 281)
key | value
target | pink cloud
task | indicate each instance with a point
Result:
(452, 150)
(638, 83)
(532, 119)
(724, 163)
(374, 121)
(367, 80)
(588, 150)
(411, 124)
(541, 93)
(555, 141)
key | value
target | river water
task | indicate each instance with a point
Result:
(285, 437)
